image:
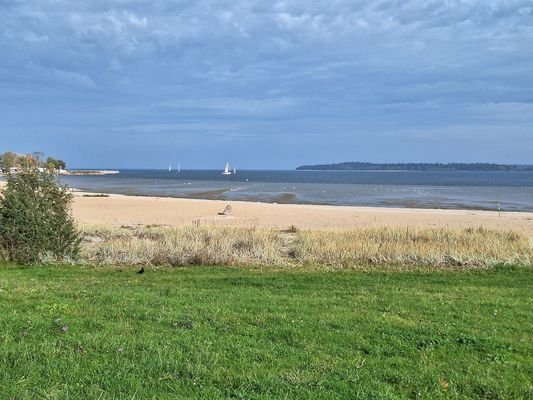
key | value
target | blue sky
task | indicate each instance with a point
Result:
(267, 84)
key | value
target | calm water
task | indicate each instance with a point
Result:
(454, 190)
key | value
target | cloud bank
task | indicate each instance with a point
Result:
(268, 84)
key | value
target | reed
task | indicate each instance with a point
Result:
(360, 248)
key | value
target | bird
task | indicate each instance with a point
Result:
(141, 271)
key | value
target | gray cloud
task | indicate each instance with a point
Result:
(347, 70)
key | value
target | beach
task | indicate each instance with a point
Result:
(122, 210)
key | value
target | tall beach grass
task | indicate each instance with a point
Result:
(359, 248)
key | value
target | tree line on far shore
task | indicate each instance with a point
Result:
(10, 160)
(366, 166)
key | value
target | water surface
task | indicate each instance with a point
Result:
(512, 190)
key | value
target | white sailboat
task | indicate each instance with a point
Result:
(234, 171)
(170, 168)
(179, 168)
(226, 170)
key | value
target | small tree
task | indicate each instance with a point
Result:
(61, 164)
(52, 164)
(9, 160)
(35, 220)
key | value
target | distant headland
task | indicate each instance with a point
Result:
(12, 163)
(367, 166)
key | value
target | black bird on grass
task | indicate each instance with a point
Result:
(141, 271)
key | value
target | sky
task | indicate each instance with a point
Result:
(267, 84)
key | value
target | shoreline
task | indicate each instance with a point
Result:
(124, 210)
(210, 195)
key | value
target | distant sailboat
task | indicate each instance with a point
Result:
(170, 168)
(234, 171)
(179, 168)
(226, 170)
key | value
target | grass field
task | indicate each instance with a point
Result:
(71, 333)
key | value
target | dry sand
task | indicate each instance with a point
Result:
(132, 210)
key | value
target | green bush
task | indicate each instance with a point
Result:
(35, 220)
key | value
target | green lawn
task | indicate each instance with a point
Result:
(69, 332)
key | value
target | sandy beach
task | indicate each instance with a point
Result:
(131, 210)
(121, 210)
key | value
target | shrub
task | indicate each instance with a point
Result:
(35, 220)
(293, 229)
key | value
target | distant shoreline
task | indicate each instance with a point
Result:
(79, 172)
(413, 167)
(85, 172)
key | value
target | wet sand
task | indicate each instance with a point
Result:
(134, 210)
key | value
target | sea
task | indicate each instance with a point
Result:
(507, 191)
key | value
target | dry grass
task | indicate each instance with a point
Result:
(182, 246)
(232, 246)
(418, 247)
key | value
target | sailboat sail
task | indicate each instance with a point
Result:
(226, 170)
